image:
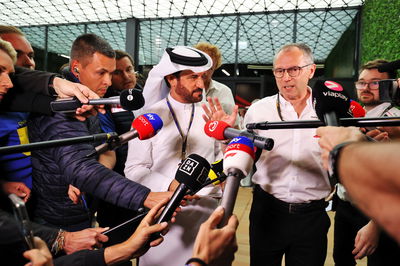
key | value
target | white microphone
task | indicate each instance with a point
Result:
(238, 162)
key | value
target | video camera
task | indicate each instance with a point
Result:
(389, 88)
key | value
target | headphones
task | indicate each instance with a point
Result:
(76, 70)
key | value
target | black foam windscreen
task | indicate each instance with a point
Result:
(330, 97)
(193, 172)
(131, 99)
(389, 67)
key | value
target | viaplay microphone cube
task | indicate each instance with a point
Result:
(239, 154)
(329, 96)
(147, 125)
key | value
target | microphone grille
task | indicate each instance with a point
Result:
(193, 172)
(329, 97)
(215, 129)
(239, 154)
(131, 99)
(147, 125)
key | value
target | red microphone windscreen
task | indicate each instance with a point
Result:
(215, 129)
(147, 125)
(356, 109)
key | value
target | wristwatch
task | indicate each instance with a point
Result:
(333, 162)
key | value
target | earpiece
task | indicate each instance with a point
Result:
(76, 70)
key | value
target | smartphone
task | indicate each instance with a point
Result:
(21, 215)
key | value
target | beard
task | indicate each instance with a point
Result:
(189, 96)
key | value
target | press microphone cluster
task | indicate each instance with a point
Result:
(144, 127)
(220, 130)
(130, 99)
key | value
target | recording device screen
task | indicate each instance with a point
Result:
(21, 215)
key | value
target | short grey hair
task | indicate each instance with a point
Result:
(301, 46)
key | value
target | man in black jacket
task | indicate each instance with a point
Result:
(92, 62)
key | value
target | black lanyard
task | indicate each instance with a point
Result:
(278, 108)
(184, 137)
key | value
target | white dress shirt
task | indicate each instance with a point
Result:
(292, 171)
(154, 162)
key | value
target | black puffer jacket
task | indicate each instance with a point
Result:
(55, 168)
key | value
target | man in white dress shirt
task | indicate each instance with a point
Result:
(154, 162)
(288, 211)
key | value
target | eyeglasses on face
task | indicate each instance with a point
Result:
(373, 85)
(292, 71)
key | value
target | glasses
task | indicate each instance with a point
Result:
(373, 85)
(292, 71)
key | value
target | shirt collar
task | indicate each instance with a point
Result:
(175, 104)
(285, 103)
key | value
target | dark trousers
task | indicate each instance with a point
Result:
(348, 221)
(297, 230)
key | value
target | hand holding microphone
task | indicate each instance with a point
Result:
(130, 99)
(144, 127)
(191, 175)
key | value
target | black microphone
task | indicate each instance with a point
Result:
(191, 175)
(220, 130)
(388, 67)
(330, 102)
(57, 143)
(130, 99)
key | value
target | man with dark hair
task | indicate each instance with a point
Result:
(179, 74)
(56, 168)
(355, 235)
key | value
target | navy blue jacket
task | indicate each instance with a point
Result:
(55, 168)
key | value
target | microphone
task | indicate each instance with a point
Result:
(130, 99)
(331, 102)
(191, 175)
(356, 109)
(57, 143)
(238, 162)
(144, 127)
(216, 175)
(220, 130)
(388, 67)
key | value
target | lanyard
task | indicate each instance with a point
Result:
(278, 108)
(184, 137)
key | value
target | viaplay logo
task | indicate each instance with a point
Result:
(336, 89)
(333, 85)
(212, 126)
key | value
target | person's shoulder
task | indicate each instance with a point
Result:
(395, 111)
(265, 103)
(220, 85)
